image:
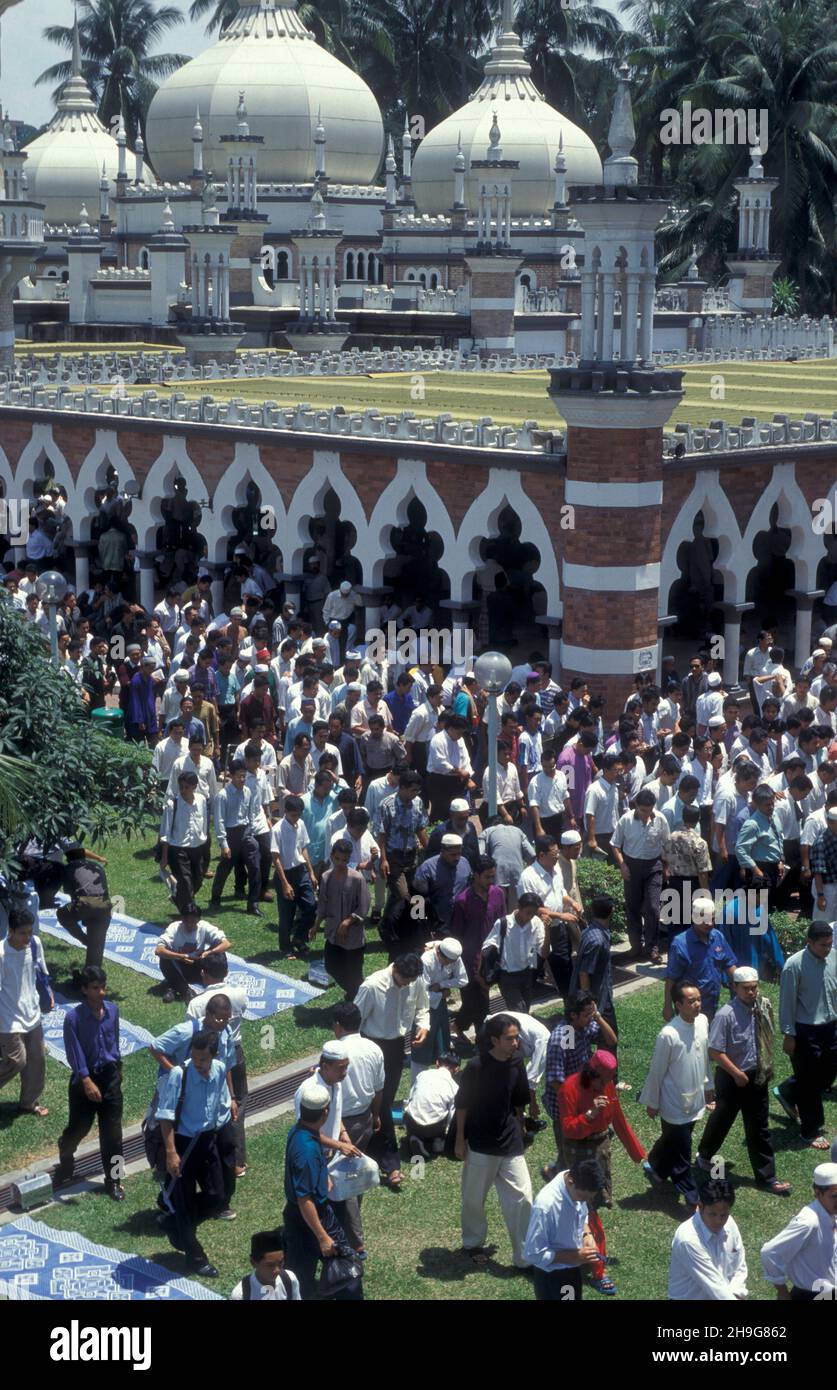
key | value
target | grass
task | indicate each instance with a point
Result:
(761, 389)
(267, 1044)
(413, 1238)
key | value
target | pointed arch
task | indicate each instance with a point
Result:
(172, 460)
(481, 520)
(707, 496)
(307, 502)
(806, 547)
(92, 477)
(40, 447)
(230, 493)
(391, 511)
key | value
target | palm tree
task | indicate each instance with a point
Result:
(223, 12)
(554, 37)
(117, 38)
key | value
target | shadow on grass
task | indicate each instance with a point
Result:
(454, 1266)
(306, 1017)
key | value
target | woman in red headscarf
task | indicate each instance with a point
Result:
(588, 1106)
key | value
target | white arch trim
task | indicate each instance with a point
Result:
(707, 496)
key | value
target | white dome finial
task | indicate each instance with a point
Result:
(756, 171)
(83, 219)
(494, 148)
(620, 168)
(168, 218)
(197, 128)
(243, 127)
(459, 161)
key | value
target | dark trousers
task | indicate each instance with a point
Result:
(671, 1157)
(228, 731)
(397, 929)
(438, 1037)
(814, 1065)
(180, 975)
(244, 858)
(553, 825)
(752, 1103)
(442, 789)
(293, 932)
(263, 846)
(238, 1076)
(517, 988)
(226, 1142)
(108, 1114)
(345, 967)
(303, 1253)
(474, 1006)
(189, 867)
(557, 1285)
(89, 925)
(200, 1168)
(562, 972)
(642, 901)
(384, 1145)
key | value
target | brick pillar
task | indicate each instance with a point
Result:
(492, 300)
(611, 559)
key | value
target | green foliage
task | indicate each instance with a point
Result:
(68, 780)
(791, 931)
(785, 296)
(597, 876)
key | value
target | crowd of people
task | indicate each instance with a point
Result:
(350, 795)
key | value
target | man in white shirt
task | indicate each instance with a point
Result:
(449, 771)
(213, 978)
(674, 1089)
(804, 1254)
(21, 1033)
(638, 842)
(601, 808)
(709, 703)
(169, 750)
(549, 798)
(519, 939)
(708, 1263)
(182, 952)
(296, 882)
(430, 1105)
(421, 726)
(443, 970)
(533, 1041)
(393, 1002)
(195, 761)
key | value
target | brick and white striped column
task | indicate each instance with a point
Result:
(492, 300)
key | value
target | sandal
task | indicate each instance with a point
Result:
(779, 1189)
(604, 1284)
(624, 1086)
(819, 1142)
(395, 1181)
(39, 1110)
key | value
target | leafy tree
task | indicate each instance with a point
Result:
(117, 39)
(60, 777)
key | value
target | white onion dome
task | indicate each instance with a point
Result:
(531, 134)
(65, 163)
(268, 52)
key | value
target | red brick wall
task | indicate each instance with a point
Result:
(369, 477)
(287, 465)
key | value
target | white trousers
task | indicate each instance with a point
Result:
(830, 894)
(511, 1179)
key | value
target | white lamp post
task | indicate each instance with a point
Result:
(51, 588)
(493, 671)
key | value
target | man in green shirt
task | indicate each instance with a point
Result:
(808, 1020)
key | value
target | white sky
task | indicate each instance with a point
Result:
(24, 54)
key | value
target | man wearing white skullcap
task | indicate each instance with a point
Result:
(741, 1046)
(331, 1072)
(804, 1254)
(443, 970)
(312, 1229)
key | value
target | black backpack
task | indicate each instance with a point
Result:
(247, 1292)
(491, 958)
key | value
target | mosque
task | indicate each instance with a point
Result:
(277, 209)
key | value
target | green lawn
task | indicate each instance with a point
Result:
(270, 1043)
(761, 389)
(413, 1237)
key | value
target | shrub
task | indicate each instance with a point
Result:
(791, 931)
(598, 876)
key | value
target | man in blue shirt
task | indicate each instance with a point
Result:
(559, 1244)
(191, 1111)
(701, 955)
(91, 1041)
(312, 1229)
(401, 703)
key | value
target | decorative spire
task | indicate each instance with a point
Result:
(560, 174)
(406, 150)
(197, 143)
(390, 168)
(139, 151)
(459, 161)
(620, 168)
(168, 218)
(318, 218)
(692, 273)
(507, 17)
(319, 146)
(121, 142)
(459, 175)
(756, 171)
(243, 127)
(84, 221)
(494, 148)
(76, 63)
(197, 128)
(389, 164)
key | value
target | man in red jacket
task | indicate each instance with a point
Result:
(588, 1106)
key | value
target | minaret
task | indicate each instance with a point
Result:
(752, 267)
(242, 181)
(105, 224)
(389, 166)
(84, 252)
(197, 180)
(406, 163)
(614, 410)
(122, 166)
(319, 149)
(139, 167)
(167, 250)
